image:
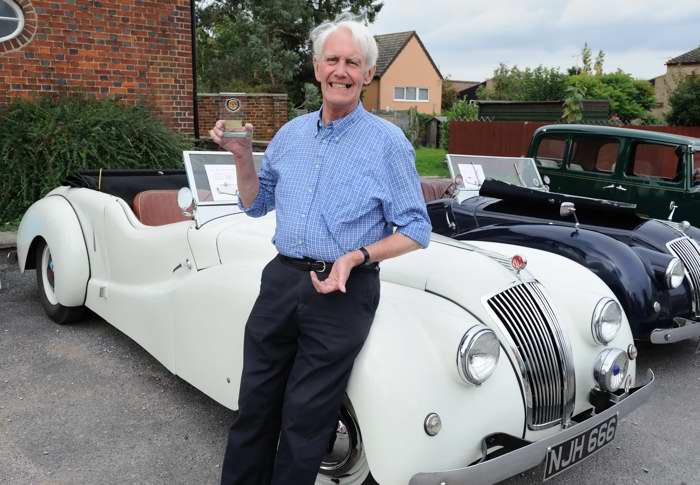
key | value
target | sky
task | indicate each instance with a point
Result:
(467, 39)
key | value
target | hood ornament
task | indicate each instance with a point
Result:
(518, 263)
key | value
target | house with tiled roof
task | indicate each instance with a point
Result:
(406, 76)
(676, 69)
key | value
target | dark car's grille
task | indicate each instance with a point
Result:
(687, 251)
(542, 353)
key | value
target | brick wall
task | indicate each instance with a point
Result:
(266, 112)
(138, 49)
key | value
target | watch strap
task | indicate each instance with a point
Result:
(365, 253)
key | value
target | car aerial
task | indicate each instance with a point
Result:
(652, 266)
(460, 380)
(658, 172)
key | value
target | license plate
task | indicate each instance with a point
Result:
(565, 455)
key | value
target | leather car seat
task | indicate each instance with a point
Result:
(158, 207)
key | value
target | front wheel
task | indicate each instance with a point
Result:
(346, 461)
(45, 276)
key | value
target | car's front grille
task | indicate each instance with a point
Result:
(541, 351)
(688, 252)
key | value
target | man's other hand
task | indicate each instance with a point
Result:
(339, 273)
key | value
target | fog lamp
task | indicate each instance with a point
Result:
(611, 369)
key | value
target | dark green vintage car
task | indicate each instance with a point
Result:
(659, 172)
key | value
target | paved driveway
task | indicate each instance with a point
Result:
(83, 404)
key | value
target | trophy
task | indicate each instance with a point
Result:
(232, 128)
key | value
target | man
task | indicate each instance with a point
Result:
(341, 180)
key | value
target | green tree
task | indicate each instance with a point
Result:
(449, 94)
(685, 103)
(513, 84)
(598, 66)
(629, 98)
(573, 105)
(461, 110)
(586, 54)
(257, 45)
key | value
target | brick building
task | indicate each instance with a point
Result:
(140, 50)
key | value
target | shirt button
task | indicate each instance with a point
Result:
(309, 189)
(303, 215)
(317, 165)
(299, 242)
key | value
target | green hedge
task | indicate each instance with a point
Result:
(43, 141)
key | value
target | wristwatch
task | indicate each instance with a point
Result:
(365, 253)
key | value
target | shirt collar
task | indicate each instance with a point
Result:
(341, 124)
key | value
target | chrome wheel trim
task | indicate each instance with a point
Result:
(347, 463)
(47, 275)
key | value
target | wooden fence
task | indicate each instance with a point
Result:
(512, 138)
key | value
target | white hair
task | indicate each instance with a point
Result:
(360, 34)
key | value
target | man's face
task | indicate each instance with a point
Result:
(342, 71)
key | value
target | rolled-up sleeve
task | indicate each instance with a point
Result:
(264, 202)
(405, 207)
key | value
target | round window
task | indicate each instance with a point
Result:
(11, 20)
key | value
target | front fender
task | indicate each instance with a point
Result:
(611, 260)
(54, 220)
(406, 370)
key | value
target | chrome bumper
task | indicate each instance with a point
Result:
(531, 455)
(687, 329)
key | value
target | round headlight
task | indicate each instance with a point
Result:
(675, 272)
(611, 369)
(477, 355)
(607, 321)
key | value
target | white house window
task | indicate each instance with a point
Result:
(11, 20)
(411, 93)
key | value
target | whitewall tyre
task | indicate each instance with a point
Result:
(45, 278)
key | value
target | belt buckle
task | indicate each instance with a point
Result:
(323, 268)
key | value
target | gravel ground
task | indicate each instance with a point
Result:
(84, 404)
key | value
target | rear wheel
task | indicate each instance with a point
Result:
(346, 461)
(45, 277)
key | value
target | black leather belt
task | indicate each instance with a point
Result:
(309, 264)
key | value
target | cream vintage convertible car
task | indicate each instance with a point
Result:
(484, 359)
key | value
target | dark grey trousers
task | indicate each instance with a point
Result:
(299, 350)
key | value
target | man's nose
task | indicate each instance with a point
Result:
(341, 68)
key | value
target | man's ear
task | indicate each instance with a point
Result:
(370, 75)
(316, 74)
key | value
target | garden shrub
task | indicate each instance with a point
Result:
(42, 141)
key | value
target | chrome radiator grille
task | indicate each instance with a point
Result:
(689, 254)
(539, 347)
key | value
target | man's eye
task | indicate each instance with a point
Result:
(331, 60)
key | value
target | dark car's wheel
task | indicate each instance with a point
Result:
(45, 282)
(346, 461)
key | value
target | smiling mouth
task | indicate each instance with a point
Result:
(341, 85)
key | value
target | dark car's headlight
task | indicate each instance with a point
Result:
(606, 321)
(477, 355)
(675, 272)
(611, 369)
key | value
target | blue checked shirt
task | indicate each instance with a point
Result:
(339, 187)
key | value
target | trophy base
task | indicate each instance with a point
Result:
(235, 134)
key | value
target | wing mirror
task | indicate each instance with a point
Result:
(567, 209)
(184, 201)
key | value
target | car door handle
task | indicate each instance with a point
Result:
(620, 187)
(611, 186)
